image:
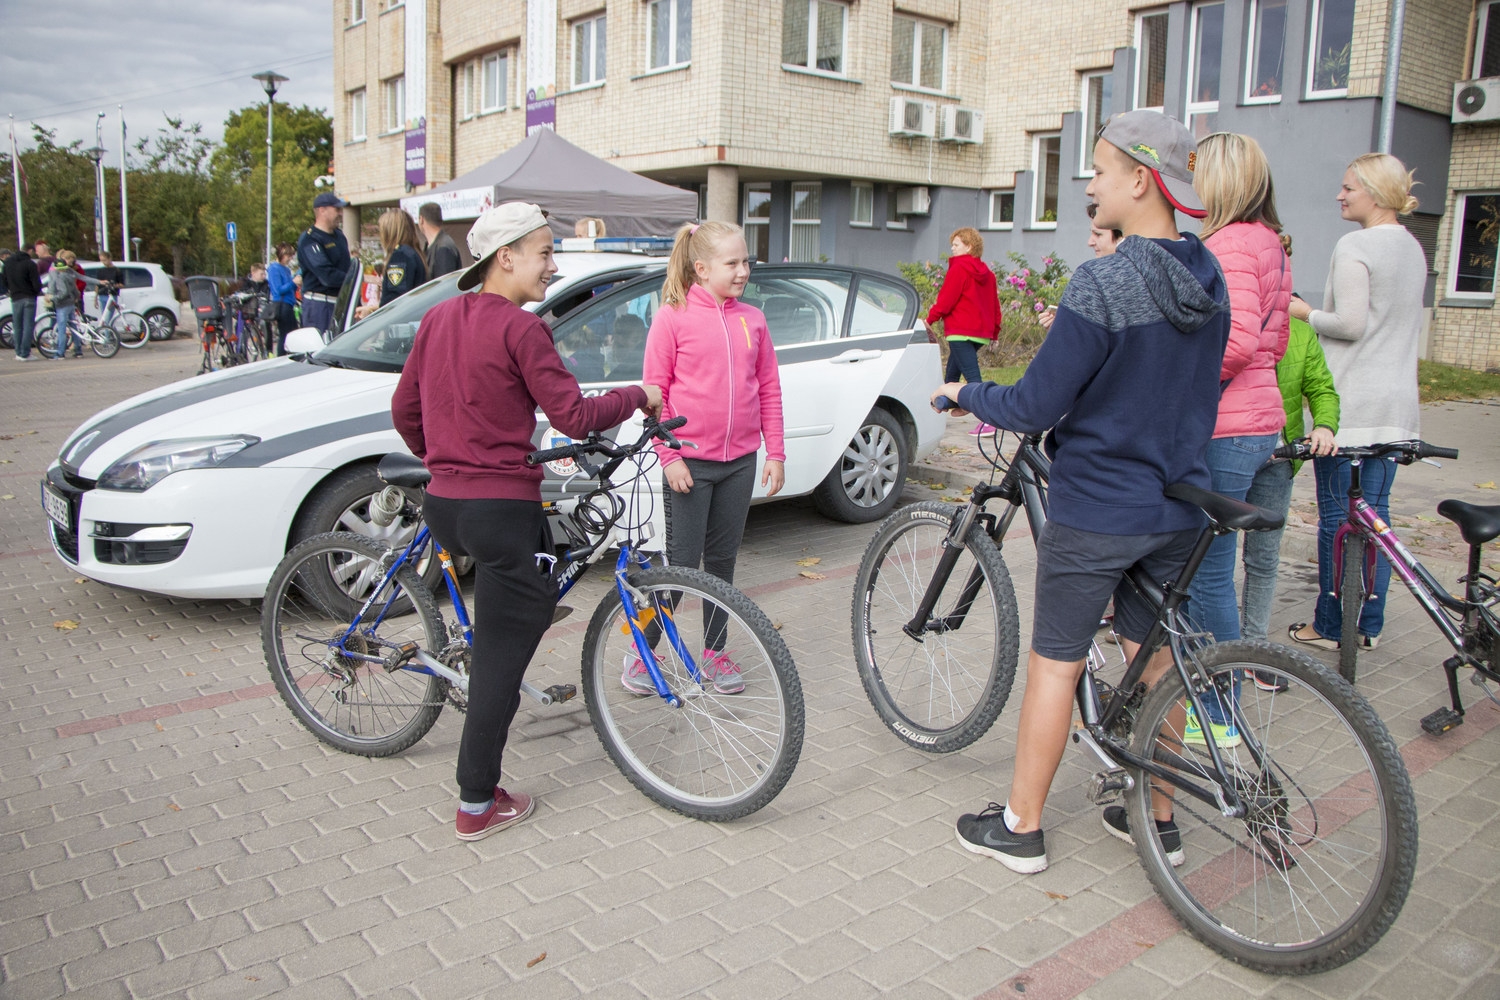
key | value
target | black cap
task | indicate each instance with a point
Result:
(328, 198)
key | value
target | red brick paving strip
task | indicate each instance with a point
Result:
(152, 712)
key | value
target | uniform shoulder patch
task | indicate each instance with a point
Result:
(395, 275)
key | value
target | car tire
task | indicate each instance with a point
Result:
(866, 483)
(161, 324)
(6, 338)
(342, 503)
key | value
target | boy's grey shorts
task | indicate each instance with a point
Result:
(1077, 572)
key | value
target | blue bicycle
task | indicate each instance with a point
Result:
(365, 660)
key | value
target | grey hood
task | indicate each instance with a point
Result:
(1183, 278)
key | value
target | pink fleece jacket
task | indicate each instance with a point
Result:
(716, 366)
(1260, 286)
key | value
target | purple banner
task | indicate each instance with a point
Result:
(416, 154)
(541, 112)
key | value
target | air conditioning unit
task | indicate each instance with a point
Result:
(961, 124)
(913, 201)
(911, 117)
(1476, 100)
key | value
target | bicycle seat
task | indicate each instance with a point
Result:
(1226, 511)
(1477, 524)
(400, 469)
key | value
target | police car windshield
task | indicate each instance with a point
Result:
(381, 341)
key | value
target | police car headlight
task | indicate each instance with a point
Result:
(150, 464)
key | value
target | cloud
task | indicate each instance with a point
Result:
(61, 65)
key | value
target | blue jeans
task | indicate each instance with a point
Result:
(963, 359)
(1232, 462)
(22, 321)
(1272, 491)
(66, 334)
(1376, 477)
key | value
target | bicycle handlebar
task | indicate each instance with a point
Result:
(1404, 452)
(596, 446)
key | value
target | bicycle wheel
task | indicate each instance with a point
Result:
(1352, 599)
(131, 329)
(718, 756)
(1320, 867)
(943, 690)
(103, 342)
(44, 336)
(357, 706)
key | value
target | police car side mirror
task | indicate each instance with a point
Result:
(304, 341)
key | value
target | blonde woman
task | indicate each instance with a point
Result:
(1369, 328)
(404, 266)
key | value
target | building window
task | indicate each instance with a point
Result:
(395, 104)
(1204, 53)
(1097, 94)
(1474, 244)
(1002, 209)
(669, 33)
(1332, 35)
(807, 221)
(468, 77)
(861, 203)
(1046, 169)
(356, 11)
(919, 54)
(1487, 41)
(757, 221)
(1151, 60)
(812, 35)
(494, 77)
(356, 114)
(588, 51)
(893, 218)
(1266, 55)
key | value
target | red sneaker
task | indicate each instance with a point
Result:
(506, 810)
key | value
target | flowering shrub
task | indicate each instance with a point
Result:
(1024, 293)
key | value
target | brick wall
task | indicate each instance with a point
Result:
(1432, 52)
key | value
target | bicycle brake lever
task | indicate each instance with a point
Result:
(1432, 462)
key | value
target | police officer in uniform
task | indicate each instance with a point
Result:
(323, 255)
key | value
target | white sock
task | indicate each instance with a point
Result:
(1011, 819)
(475, 808)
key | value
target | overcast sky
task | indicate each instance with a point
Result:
(63, 63)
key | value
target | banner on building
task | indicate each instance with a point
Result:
(468, 203)
(541, 65)
(415, 82)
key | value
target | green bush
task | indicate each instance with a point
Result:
(1023, 294)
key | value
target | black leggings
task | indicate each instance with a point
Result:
(513, 603)
(286, 322)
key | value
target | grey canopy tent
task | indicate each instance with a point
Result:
(569, 184)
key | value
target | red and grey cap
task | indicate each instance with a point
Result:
(1165, 146)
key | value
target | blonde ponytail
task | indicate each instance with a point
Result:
(1387, 180)
(694, 242)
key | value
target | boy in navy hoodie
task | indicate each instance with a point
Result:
(1127, 381)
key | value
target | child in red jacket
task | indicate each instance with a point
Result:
(969, 308)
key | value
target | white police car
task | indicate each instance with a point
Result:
(198, 488)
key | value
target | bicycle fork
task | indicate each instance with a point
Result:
(639, 619)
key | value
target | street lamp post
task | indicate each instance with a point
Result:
(99, 184)
(96, 154)
(269, 81)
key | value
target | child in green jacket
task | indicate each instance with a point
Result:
(1302, 373)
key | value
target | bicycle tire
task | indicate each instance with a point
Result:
(1333, 806)
(44, 336)
(717, 756)
(103, 342)
(132, 330)
(1351, 602)
(357, 707)
(933, 694)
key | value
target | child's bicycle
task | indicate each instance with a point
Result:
(363, 657)
(101, 338)
(1294, 848)
(1469, 623)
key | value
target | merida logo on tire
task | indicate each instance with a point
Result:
(915, 737)
(931, 515)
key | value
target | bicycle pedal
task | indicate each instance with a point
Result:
(1441, 721)
(561, 692)
(1106, 786)
(400, 656)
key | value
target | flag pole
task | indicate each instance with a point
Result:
(15, 182)
(124, 197)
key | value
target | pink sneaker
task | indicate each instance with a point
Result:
(724, 671)
(506, 810)
(983, 429)
(636, 678)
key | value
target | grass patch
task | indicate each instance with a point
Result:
(1004, 376)
(1438, 382)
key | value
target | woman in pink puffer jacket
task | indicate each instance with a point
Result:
(1234, 181)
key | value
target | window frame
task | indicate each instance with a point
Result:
(675, 59)
(502, 75)
(1252, 45)
(1140, 62)
(812, 40)
(1194, 108)
(746, 221)
(793, 222)
(921, 25)
(593, 22)
(356, 12)
(1486, 10)
(1039, 187)
(995, 196)
(363, 118)
(1090, 131)
(868, 187)
(467, 75)
(1315, 9)
(894, 219)
(1450, 284)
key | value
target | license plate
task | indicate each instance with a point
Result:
(56, 506)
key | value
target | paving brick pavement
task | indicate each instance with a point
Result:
(169, 830)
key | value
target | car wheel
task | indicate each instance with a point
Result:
(342, 503)
(867, 482)
(6, 340)
(161, 324)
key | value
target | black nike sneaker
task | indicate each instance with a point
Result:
(987, 834)
(1117, 826)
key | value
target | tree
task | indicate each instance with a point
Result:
(58, 200)
(301, 132)
(167, 196)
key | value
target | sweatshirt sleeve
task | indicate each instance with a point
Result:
(1351, 299)
(659, 368)
(948, 294)
(556, 390)
(768, 374)
(406, 404)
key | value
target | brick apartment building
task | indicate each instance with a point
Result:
(865, 131)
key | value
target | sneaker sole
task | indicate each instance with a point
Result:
(1176, 858)
(736, 688)
(1021, 866)
(1196, 739)
(497, 827)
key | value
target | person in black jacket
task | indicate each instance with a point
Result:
(404, 267)
(442, 253)
(24, 285)
(323, 255)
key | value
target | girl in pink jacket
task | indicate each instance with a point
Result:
(1233, 179)
(712, 356)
